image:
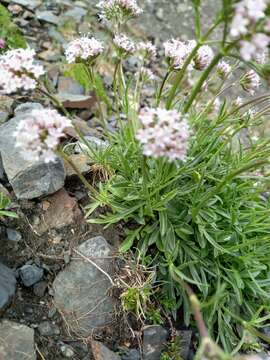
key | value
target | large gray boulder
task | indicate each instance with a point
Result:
(7, 286)
(16, 342)
(29, 179)
(81, 289)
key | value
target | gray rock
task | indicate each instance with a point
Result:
(3, 117)
(40, 288)
(67, 351)
(13, 235)
(16, 342)
(29, 179)
(30, 274)
(69, 86)
(131, 354)
(93, 141)
(2, 171)
(101, 352)
(81, 289)
(76, 14)
(154, 341)
(29, 4)
(7, 287)
(26, 108)
(263, 355)
(185, 341)
(48, 17)
(46, 328)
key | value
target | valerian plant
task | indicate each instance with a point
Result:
(188, 172)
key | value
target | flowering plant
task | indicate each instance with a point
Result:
(186, 169)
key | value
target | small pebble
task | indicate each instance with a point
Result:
(67, 351)
(30, 274)
(13, 235)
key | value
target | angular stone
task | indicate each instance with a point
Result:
(16, 342)
(81, 289)
(26, 108)
(67, 85)
(47, 16)
(76, 14)
(185, 341)
(29, 4)
(93, 141)
(61, 210)
(73, 101)
(29, 178)
(154, 341)
(30, 274)
(101, 352)
(6, 103)
(82, 163)
(7, 287)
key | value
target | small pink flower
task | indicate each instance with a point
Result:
(250, 82)
(39, 134)
(124, 44)
(223, 69)
(203, 57)
(177, 51)
(149, 50)
(119, 9)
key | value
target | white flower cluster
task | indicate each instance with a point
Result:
(84, 48)
(148, 49)
(39, 134)
(124, 44)
(146, 75)
(203, 57)
(250, 81)
(164, 133)
(247, 13)
(119, 8)
(223, 69)
(177, 52)
(18, 71)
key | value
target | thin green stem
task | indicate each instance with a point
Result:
(165, 79)
(65, 157)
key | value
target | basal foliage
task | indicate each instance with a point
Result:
(205, 221)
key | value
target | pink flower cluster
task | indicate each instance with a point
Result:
(124, 44)
(164, 133)
(39, 134)
(247, 13)
(113, 8)
(2, 43)
(84, 48)
(148, 49)
(177, 52)
(223, 69)
(18, 71)
(250, 81)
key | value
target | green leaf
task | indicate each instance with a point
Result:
(163, 222)
(128, 242)
(79, 73)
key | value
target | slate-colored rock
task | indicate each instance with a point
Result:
(101, 352)
(67, 85)
(94, 142)
(13, 235)
(185, 341)
(29, 179)
(30, 274)
(154, 341)
(7, 286)
(29, 4)
(47, 16)
(26, 108)
(46, 328)
(81, 289)
(16, 342)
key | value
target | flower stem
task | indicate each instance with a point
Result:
(65, 157)
(165, 79)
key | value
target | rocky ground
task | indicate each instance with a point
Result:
(56, 270)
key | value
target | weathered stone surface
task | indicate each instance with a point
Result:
(7, 287)
(101, 352)
(67, 85)
(6, 103)
(29, 179)
(94, 142)
(77, 101)
(47, 16)
(30, 274)
(26, 108)
(185, 341)
(60, 210)
(16, 341)
(29, 4)
(82, 163)
(154, 341)
(81, 289)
